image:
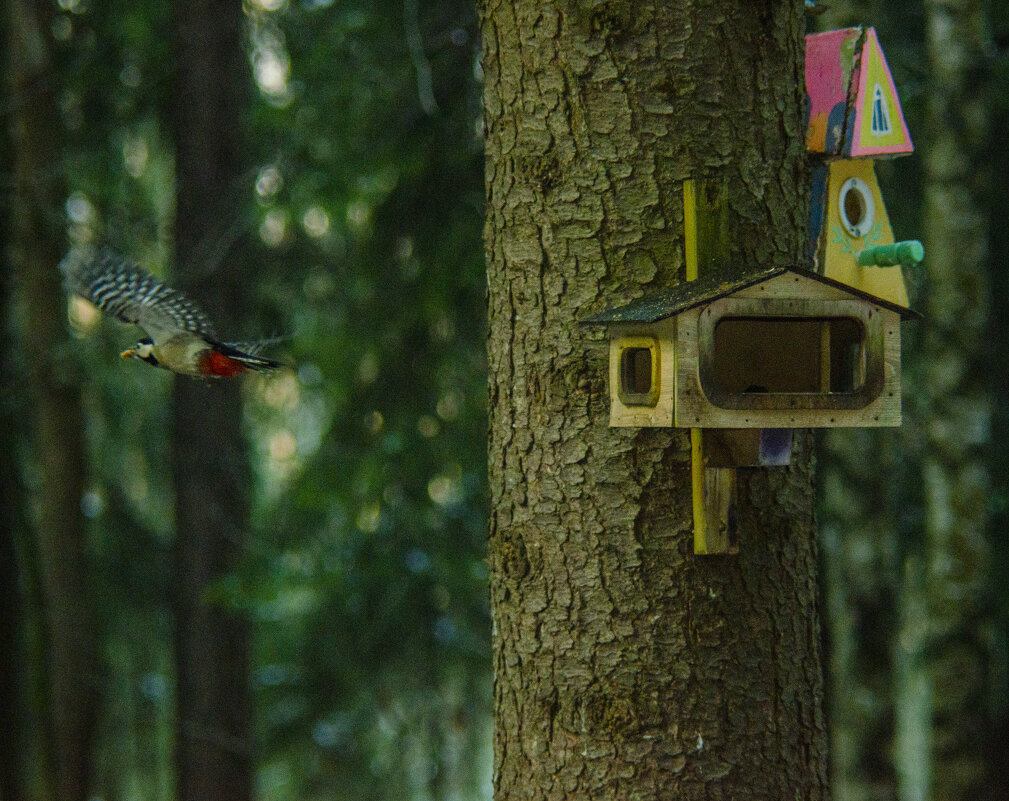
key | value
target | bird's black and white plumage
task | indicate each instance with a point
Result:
(180, 338)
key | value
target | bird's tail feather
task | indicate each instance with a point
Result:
(248, 354)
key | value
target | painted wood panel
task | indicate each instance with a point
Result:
(664, 334)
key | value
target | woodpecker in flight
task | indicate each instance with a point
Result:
(180, 337)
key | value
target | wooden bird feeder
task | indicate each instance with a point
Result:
(743, 356)
(780, 347)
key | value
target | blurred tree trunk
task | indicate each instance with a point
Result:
(214, 759)
(12, 657)
(13, 740)
(626, 667)
(13, 743)
(905, 513)
(55, 399)
(996, 156)
(942, 665)
(863, 507)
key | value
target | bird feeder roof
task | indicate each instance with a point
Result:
(718, 284)
(854, 110)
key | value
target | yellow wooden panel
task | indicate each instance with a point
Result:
(690, 229)
(838, 246)
(661, 414)
(714, 496)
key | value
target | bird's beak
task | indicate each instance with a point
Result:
(128, 353)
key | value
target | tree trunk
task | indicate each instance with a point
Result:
(13, 742)
(13, 745)
(905, 514)
(941, 734)
(210, 461)
(55, 399)
(625, 666)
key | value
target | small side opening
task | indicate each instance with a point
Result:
(639, 373)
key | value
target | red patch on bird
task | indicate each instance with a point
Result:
(218, 364)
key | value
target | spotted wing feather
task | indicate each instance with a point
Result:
(120, 288)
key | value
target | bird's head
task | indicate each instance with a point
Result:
(143, 350)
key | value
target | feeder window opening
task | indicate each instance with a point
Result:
(639, 372)
(857, 207)
(782, 358)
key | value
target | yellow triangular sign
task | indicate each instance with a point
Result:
(879, 128)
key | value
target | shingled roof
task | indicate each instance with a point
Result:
(718, 284)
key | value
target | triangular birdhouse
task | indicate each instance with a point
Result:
(854, 110)
(854, 118)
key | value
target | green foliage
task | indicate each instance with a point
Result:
(910, 519)
(361, 221)
(373, 654)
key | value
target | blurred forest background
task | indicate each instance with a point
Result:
(362, 579)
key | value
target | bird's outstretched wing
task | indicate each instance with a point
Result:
(121, 288)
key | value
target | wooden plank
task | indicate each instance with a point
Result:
(792, 285)
(713, 490)
(687, 383)
(623, 415)
(705, 226)
(693, 408)
(747, 447)
(690, 229)
(824, 357)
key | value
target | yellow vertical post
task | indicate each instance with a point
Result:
(713, 489)
(690, 228)
(697, 490)
(696, 444)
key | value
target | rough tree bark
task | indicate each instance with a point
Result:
(213, 749)
(55, 400)
(626, 667)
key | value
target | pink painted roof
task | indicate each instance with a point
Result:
(854, 109)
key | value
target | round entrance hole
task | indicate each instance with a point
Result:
(856, 207)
